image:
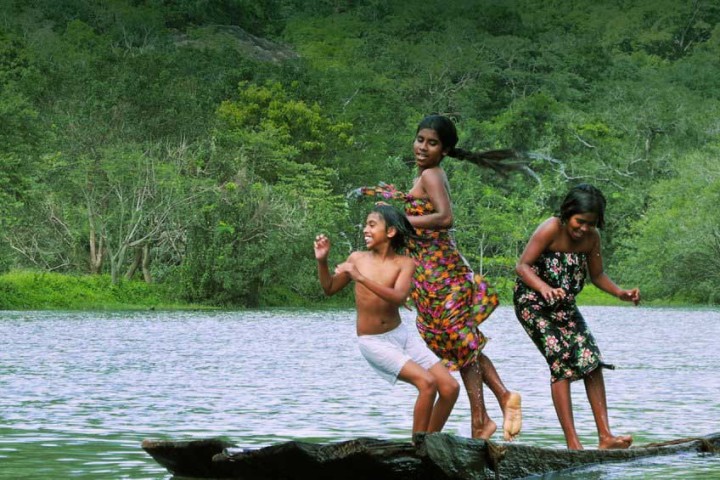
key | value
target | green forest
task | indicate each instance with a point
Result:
(193, 148)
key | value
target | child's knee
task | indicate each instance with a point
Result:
(449, 389)
(448, 386)
(428, 384)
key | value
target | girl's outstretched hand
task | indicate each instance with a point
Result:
(354, 194)
(630, 295)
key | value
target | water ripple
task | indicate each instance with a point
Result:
(81, 390)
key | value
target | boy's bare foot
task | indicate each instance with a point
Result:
(512, 416)
(485, 431)
(619, 442)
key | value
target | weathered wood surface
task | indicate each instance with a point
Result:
(436, 456)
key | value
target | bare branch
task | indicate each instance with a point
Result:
(583, 141)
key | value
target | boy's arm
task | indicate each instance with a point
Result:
(396, 294)
(330, 284)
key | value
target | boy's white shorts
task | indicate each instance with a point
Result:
(388, 352)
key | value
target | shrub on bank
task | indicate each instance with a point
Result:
(24, 290)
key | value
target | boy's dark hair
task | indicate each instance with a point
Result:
(583, 198)
(395, 218)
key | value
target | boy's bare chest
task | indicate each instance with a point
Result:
(383, 272)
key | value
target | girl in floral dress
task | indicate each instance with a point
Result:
(551, 273)
(451, 301)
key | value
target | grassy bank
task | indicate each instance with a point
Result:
(25, 290)
(591, 295)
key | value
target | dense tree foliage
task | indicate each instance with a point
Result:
(202, 144)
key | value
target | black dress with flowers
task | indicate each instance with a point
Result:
(557, 328)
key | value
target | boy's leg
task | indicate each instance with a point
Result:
(510, 402)
(426, 385)
(481, 425)
(595, 388)
(448, 391)
(563, 407)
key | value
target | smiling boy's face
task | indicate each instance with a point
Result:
(376, 232)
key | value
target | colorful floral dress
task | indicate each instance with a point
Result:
(557, 328)
(450, 299)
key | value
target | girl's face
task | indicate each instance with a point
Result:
(428, 149)
(580, 225)
(375, 231)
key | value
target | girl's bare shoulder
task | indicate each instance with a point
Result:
(592, 242)
(549, 235)
(550, 227)
(427, 181)
(434, 173)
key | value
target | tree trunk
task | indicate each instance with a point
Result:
(134, 265)
(96, 252)
(146, 263)
(116, 263)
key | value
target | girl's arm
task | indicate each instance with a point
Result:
(538, 243)
(434, 184)
(600, 279)
(396, 294)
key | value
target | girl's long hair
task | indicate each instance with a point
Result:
(501, 161)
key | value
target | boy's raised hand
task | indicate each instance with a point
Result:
(322, 247)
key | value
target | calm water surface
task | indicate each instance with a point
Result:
(80, 391)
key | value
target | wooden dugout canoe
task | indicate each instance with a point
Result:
(437, 456)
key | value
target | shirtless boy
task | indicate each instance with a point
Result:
(382, 284)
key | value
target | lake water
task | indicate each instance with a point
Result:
(80, 391)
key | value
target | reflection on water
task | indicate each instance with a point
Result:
(80, 391)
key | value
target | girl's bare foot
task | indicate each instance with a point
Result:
(619, 442)
(512, 416)
(485, 431)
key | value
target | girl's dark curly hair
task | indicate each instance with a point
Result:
(583, 198)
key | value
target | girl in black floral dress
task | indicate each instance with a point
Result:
(551, 273)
